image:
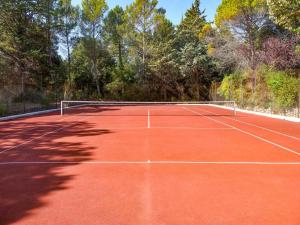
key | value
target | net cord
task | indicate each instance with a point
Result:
(127, 103)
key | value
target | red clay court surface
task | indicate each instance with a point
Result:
(149, 165)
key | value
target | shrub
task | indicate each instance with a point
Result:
(115, 88)
(231, 86)
(283, 88)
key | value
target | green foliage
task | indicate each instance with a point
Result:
(283, 87)
(93, 10)
(140, 20)
(163, 60)
(206, 30)
(232, 86)
(29, 49)
(198, 69)
(68, 18)
(192, 24)
(113, 25)
(138, 54)
(286, 13)
(92, 21)
(231, 9)
(275, 89)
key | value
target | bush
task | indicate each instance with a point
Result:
(231, 86)
(275, 89)
(283, 88)
(115, 88)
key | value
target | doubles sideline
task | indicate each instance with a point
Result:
(245, 132)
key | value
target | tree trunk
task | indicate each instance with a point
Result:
(69, 59)
(95, 69)
(68, 81)
(49, 44)
(144, 42)
(120, 56)
(252, 59)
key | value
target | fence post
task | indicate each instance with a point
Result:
(234, 108)
(61, 108)
(298, 103)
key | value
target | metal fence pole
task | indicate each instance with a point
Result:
(61, 108)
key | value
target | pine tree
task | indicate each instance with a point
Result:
(163, 58)
(92, 24)
(192, 24)
(140, 19)
(113, 32)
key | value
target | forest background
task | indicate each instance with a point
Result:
(51, 50)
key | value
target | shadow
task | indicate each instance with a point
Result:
(24, 184)
(14, 127)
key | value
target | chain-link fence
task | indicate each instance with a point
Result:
(25, 98)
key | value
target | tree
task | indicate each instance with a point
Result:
(114, 34)
(82, 79)
(283, 88)
(163, 60)
(192, 24)
(92, 19)
(245, 18)
(46, 11)
(195, 64)
(29, 50)
(286, 13)
(198, 70)
(222, 47)
(279, 52)
(68, 16)
(140, 20)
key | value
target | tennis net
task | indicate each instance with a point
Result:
(122, 108)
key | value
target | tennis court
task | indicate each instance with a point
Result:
(142, 164)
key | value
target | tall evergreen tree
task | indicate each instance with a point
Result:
(114, 34)
(163, 62)
(192, 24)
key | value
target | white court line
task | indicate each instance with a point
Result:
(193, 128)
(245, 132)
(149, 162)
(149, 124)
(175, 128)
(254, 125)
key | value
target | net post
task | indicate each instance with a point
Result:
(61, 108)
(234, 108)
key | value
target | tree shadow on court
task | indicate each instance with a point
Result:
(24, 185)
(11, 127)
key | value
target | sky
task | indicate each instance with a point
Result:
(175, 8)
